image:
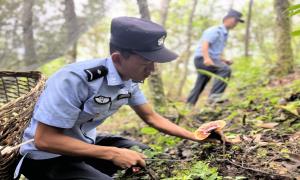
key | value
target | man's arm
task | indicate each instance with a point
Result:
(52, 139)
(207, 60)
(162, 124)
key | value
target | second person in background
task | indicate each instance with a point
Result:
(209, 57)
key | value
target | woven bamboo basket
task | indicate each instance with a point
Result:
(18, 94)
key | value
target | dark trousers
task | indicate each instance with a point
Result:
(65, 167)
(218, 86)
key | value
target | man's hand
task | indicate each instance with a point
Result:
(228, 62)
(208, 62)
(126, 158)
(217, 135)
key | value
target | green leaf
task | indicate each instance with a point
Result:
(294, 12)
(149, 130)
(296, 33)
(292, 107)
(213, 75)
(294, 7)
(240, 177)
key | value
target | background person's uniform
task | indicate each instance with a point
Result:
(217, 38)
(72, 102)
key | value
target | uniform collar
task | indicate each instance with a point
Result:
(223, 28)
(113, 77)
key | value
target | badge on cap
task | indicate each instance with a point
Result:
(161, 41)
(102, 99)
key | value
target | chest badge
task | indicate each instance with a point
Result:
(102, 99)
(122, 96)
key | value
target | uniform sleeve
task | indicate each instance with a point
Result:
(210, 35)
(59, 104)
(137, 96)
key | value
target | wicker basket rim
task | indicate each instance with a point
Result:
(40, 80)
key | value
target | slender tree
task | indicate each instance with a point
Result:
(155, 81)
(28, 39)
(247, 37)
(187, 52)
(71, 24)
(164, 10)
(285, 60)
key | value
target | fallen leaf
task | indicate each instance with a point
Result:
(247, 139)
(263, 143)
(278, 168)
(235, 140)
(292, 107)
(270, 125)
(187, 153)
(257, 138)
(294, 157)
(295, 137)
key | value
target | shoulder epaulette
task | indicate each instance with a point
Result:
(96, 72)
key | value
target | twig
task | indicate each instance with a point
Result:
(252, 169)
(248, 151)
(244, 120)
(152, 174)
(170, 160)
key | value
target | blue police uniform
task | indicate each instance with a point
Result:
(76, 100)
(71, 102)
(80, 96)
(216, 37)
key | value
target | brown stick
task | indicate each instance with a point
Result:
(255, 170)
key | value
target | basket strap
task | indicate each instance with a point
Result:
(17, 170)
(10, 149)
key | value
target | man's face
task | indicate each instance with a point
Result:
(232, 22)
(136, 67)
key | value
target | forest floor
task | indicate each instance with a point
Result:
(263, 122)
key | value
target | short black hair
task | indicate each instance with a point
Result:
(124, 52)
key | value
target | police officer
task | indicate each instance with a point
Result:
(208, 57)
(80, 96)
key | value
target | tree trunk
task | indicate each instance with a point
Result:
(284, 50)
(28, 39)
(155, 81)
(231, 4)
(71, 23)
(186, 55)
(164, 9)
(247, 38)
(71, 55)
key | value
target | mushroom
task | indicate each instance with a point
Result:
(206, 129)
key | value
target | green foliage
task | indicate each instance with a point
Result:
(249, 72)
(149, 131)
(208, 73)
(262, 152)
(292, 107)
(296, 33)
(147, 152)
(162, 141)
(181, 108)
(52, 66)
(200, 170)
(292, 11)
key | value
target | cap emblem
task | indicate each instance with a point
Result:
(161, 41)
